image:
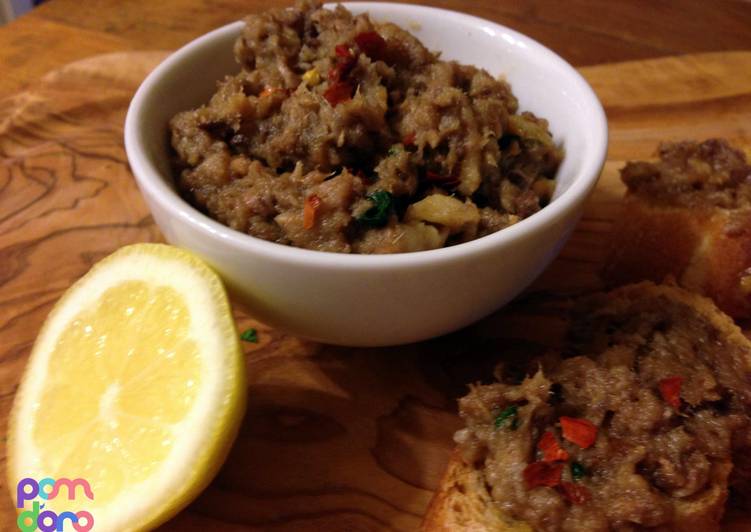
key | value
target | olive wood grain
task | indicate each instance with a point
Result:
(334, 439)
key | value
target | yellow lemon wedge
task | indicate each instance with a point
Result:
(135, 389)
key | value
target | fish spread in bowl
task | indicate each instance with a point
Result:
(342, 134)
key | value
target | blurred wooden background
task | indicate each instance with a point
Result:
(584, 32)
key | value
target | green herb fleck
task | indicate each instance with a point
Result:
(508, 415)
(578, 471)
(393, 150)
(378, 214)
(250, 335)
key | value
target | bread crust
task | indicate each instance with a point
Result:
(463, 502)
(706, 249)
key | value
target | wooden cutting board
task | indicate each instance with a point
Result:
(334, 439)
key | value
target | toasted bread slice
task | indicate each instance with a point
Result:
(463, 501)
(688, 216)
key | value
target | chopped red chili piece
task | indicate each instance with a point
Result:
(449, 181)
(310, 208)
(670, 388)
(340, 71)
(343, 51)
(338, 92)
(409, 139)
(345, 61)
(551, 449)
(579, 431)
(575, 493)
(542, 474)
(371, 44)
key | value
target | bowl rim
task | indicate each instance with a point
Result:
(154, 185)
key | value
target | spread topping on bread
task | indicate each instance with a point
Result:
(634, 423)
(697, 174)
(687, 216)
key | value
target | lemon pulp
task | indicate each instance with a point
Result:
(135, 384)
(125, 370)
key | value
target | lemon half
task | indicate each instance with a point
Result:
(136, 384)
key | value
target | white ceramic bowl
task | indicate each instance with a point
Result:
(369, 300)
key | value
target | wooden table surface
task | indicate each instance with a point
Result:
(361, 436)
(584, 32)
